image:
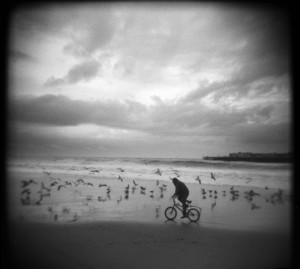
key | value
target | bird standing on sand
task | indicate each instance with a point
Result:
(254, 206)
(143, 188)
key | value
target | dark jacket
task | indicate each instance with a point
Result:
(180, 188)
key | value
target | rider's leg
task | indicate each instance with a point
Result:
(182, 199)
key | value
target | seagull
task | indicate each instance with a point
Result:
(27, 191)
(212, 176)
(143, 188)
(213, 205)
(25, 201)
(96, 171)
(120, 178)
(60, 186)
(176, 173)
(102, 185)
(121, 169)
(158, 172)
(26, 183)
(135, 184)
(45, 188)
(80, 181)
(53, 184)
(249, 179)
(157, 182)
(198, 179)
(90, 184)
(254, 206)
(120, 199)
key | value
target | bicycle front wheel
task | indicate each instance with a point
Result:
(170, 213)
(193, 214)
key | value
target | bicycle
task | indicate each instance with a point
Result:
(193, 212)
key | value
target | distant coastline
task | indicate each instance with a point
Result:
(253, 157)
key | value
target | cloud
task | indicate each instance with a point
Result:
(21, 56)
(162, 119)
(59, 110)
(81, 72)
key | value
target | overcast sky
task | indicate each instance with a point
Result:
(164, 80)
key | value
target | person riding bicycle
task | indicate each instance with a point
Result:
(181, 192)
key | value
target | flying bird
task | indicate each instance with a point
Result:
(212, 176)
(198, 179)
(249, 179)
(25, 183)
(120, 178)
(158, 172)
(135, 184)
(27, 191)
(60, 186)
(45, 188)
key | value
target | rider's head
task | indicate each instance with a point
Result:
(174, 180)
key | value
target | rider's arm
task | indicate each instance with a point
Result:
(176, 192)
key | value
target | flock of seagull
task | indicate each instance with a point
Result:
(58, 184)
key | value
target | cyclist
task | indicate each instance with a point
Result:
(181, 192)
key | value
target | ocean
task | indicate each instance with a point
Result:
(225, 173)
(79, 189)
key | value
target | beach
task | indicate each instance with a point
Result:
(140, 245)
(80, 219)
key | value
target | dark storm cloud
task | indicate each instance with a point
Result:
(88, 27)
(80, 72)
(181, 119)
(58, 110)
(21, 56)
(256, 45)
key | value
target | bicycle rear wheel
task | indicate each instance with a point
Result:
(193, 214)
(170, 213)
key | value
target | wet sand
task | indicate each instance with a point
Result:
(142, 245)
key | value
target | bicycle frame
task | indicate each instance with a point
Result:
(180, 207)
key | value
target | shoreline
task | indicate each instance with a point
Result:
(140, 245)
